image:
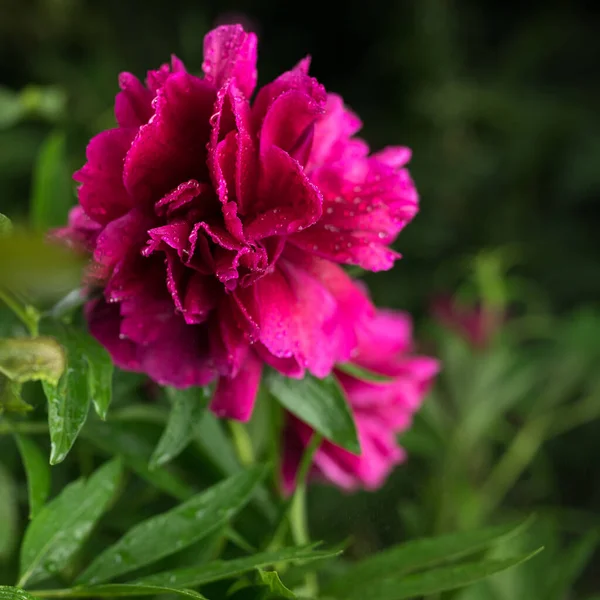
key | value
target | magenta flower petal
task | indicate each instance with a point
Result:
(102, 194)
(235, 396)
(230, 53)
(289, 202)
(133, 105)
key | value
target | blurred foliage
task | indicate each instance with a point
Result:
(499, 103)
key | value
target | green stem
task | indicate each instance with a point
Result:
(298, 513)
(27, 314)
(26, 427)
(514, 461)
(303, 470)
(242, 443)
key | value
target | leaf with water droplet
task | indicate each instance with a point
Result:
(31, 359)
(188, 407)
(38, 473)
(320, 403)
(100, 371)
(123, 590)
(176, 529)
(122, 440)
(225, 569)
(88, 377)
(62, 526)
(12, 593)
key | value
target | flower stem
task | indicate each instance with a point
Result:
(27, 314)
(297, 509)
(242, 443)
(9, 427)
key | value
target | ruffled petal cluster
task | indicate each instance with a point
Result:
(218, 223)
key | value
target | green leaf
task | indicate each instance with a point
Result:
(10, 397)
(122, 590)
(320, 403)
(9, 513)
(433, 582)
(124, 441)
(69, 399)
(52, 192)
(361, 373)
(38, 473)
(176, 529)
(100, 371)
(188, 407)
(31, 359)
(418, 554)
(224, 569)
(5, 225)
(63, 525)
(276, 589)
(13, 593)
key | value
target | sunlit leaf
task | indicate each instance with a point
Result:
(5, 225)
(176, 529)
(38, 473)
(63, 525)
(276, 589)
(320, 403)
(29, 359)
(13, 593)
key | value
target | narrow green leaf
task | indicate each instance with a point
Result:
(9, 513)
(69, 399)
(433, 582)
(176, 529)
(188, 407)
(224, 569)
(122, 440)
(52, 193)
(320, 403)
(276, 589)
(418, 554)
(13, 593)
(38, 473)
(100, 371)
(362, 373)
(31, 359)
(119, 590)
(63, 525)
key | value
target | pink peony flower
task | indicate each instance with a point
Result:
(381, 409)
(217, 225)
(473, 323)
